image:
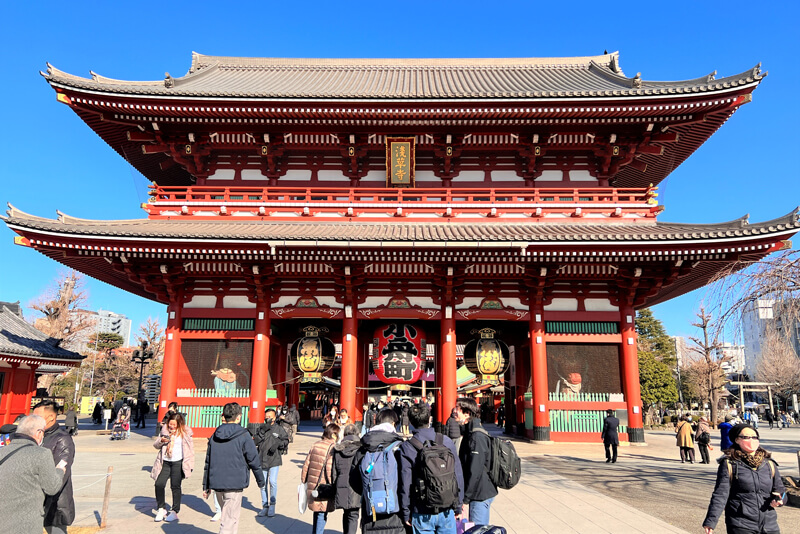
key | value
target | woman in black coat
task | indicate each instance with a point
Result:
(346, 499)
(749, 487)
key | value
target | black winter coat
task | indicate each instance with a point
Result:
(343, 454)
(476, 461)
(231, 454)
(453, 429)
(270, 440)
(610, 433)
(746, 498)
(59, 509)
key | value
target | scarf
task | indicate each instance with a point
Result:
(752, 460)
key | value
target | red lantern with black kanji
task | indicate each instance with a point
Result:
(398, 353)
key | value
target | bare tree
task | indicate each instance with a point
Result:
(704, 372)
(116, 374)
(779, 364)
(152, 332)
(61, 308)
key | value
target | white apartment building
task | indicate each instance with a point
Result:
(756, 318)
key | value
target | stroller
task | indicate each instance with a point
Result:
(122, 424)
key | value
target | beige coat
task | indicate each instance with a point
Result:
(320, 456)
(684, 437)
(188, 453)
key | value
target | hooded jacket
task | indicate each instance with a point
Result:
(270, 440)
(343, 454)
(59, 509)
(724, 440)
(476, 461)
(745, 495)
(230, 455)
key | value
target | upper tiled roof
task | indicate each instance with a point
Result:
(20, 338)
(404, 230)
(485, 78)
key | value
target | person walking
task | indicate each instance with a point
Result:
(171, 409)
(748, 487)
(59, 507)
(27, 472)
(289, 422)
(318, 470)
(770, 419)
(346, 498)
(475, 454)
(453, 429)
(342, 421)
(684, 439)
(174, 462)
(404, 421)
(724, 429)
(703, 438)
(431, 483)
(271, 440)
(97, 413)
(71, 422)
(610, 436)
(231, 454)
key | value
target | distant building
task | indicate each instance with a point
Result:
(110, 322)
(757, 318)
(734, 363)
(683, 350)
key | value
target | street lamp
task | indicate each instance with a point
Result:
(141, 357)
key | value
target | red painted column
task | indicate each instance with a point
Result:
(260, 371)
(32, 388)
(8, 393)
(347, 397)
(630, 375)
(448, 362)
(172, 355)
(361, 383)
(541, 412)
(280, 352)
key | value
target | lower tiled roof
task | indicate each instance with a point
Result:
(20, 338)
(228, 228)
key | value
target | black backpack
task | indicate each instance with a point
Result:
(506, 467)
(435, 481)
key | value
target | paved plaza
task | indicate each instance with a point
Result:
(564, 488)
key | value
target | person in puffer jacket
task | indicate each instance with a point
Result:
(748, 488)
(230, 457)
(346, 499)
(318, 470)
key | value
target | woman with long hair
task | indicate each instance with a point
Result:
(749, 487)
(318, 470)
(174, 462)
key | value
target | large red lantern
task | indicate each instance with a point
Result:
(398, 353)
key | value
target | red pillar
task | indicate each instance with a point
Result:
(361, 383)
(541, 412)
(260, 370)
(172, 355)
(630, 375)
(447, 363)
(347, 397)
(32, 388)
(280, 352)
(8, 394)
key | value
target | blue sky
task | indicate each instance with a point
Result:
(51, 160)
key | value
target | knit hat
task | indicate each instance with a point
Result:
(735, 430)
(728, 418)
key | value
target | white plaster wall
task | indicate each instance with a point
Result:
(252, 174)
(201, 301)
(599, 305)
(470, 176)
(550, 176)
(507, 176)
(329, 175)
(240, 302)
(375, 176)
(223, 174)
(297, 174)
(562, 305)
(425, 176)
(581, 176)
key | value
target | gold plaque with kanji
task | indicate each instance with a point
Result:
(400, 162)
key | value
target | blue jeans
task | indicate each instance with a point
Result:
(441, 523)
(479, 511)
(271, 478)
(319, 522)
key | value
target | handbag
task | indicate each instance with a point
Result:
(302, 497)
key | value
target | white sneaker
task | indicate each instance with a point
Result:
(263, 511)
(161, 514)
(217, 516)
(171, 516)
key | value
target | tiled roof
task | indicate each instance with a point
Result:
(20, 338)
(398, 230)
(485, 78)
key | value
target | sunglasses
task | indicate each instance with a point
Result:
(748, 437)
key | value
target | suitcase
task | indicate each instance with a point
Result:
(486, 529)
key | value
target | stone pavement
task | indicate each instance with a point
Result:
(543, 502)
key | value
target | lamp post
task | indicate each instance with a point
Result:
(141, 357)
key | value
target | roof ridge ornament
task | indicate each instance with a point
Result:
(169, 81)
(711, 77)
(636, 82)
(745, 221)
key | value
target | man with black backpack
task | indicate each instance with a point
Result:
(375, 476)
(476, 460)
(431, 485)
(271, 440)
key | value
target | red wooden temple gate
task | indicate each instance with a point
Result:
(523, 202)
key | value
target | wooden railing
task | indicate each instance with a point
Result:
(587, 397)
(206, 201)
(579, 421)
(207, 416)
